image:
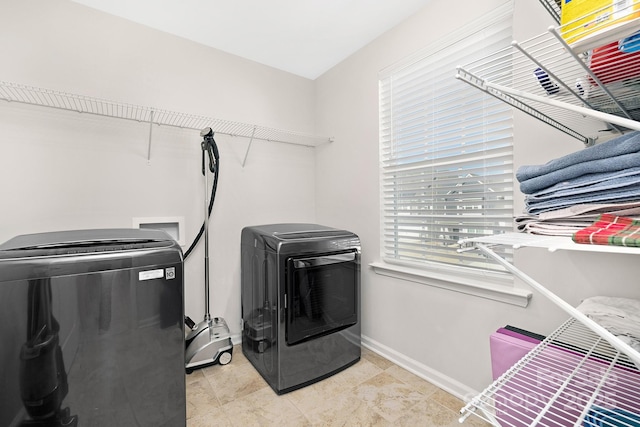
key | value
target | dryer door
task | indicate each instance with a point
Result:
(322, 295)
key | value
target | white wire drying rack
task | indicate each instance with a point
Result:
(14, 92)
(562, 76)
(517, 398)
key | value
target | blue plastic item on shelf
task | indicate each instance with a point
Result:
(630, 44)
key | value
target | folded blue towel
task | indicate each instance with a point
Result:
(586, 181)
(629, 195)
(625, 144)
(614, 155)
(614, 183)
(610, 164)
(602, 417)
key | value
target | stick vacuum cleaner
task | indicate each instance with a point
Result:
(208, 343)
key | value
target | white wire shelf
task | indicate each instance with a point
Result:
(572, 375)
(602, 79)
(523, 402)
(551, 243)
(84, 104)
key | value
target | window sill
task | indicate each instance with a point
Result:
(470, 286)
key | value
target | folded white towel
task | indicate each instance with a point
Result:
(620, 316)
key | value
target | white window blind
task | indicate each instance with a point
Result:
(446, 151)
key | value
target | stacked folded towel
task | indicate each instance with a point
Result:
(610, 230)
(604, 178)
(620, 316)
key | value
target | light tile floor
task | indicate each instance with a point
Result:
(373, 392)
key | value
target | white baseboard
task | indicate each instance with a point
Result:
(236, 339)
(436, 378)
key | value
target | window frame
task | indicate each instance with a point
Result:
(497, 284)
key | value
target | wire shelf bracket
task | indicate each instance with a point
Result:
(497, 92)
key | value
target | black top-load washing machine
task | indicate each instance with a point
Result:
(300, 302)
(92, 330)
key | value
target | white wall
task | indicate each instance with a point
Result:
(64, 170)
(441, 334)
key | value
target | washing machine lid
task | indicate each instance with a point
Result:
(64, 253)
(85, 238)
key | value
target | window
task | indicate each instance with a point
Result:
(446, 153)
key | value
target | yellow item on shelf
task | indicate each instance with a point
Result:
(586, 24)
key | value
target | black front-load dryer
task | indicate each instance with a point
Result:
(300, 302)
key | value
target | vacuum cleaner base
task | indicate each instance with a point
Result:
(208, 344)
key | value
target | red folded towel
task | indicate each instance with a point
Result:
(610, 230)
